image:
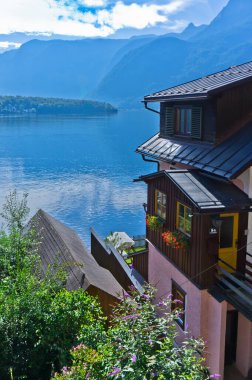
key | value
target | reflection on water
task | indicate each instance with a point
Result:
(80, 170)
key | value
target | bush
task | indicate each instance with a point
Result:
(139, 345)
(39, 319)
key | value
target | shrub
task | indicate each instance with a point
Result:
(139, 345)
(39, 319)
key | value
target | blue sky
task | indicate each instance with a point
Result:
(91, 18)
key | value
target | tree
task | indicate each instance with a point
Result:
(139, 345)
(39, 319)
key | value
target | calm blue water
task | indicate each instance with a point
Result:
(80, 170)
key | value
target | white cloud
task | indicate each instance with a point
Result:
(133, 15)
(94, 3)
(7, 45)
(50, 16)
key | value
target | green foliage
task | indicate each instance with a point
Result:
(153, 222)
(39, 319)
(139, 345)
(13, 105)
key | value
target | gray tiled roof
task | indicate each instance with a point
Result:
(202, 87)
(204, 192)
(227, 159)
(60, 245)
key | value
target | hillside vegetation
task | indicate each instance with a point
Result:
(18, 105)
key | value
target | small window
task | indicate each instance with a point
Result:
(184, 218)
(184, 121)
(179, 303)
(160, 204)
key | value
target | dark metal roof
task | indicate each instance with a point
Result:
(202, 87)
(227, 159)
(205, 192)
(60, 245)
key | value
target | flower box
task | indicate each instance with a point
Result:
(176, 240)
(153, 222)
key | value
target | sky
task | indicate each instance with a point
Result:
(104, 18)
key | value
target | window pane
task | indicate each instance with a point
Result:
(181, 210)
(226, 232)
(179, 296)
(189, 122)
(188, 219)
(184, 218)
(164, 200)
(182, 121)
(161, 204)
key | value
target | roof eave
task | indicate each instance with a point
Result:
(153, 99)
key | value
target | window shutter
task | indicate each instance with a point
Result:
(169, 121)
(196, 122)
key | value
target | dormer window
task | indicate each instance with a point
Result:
(183, 123)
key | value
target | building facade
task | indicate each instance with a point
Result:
(199, 211)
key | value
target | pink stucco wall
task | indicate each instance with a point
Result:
(244, 345)
(205, 316)
(167, 166)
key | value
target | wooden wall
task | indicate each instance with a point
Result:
(106, 300)
(140, 262)
(203, 252)
(234, 110)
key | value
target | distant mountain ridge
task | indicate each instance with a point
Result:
(123, 71)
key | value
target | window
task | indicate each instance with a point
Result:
(184, 217)
(179, 303)
(160, 204)
(184, 121)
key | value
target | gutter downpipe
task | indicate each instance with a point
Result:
(150, 109)
(147, 160)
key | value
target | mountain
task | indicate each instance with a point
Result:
(144, 69)
(67, 69)
(227, 41)
(122, 71)
(15, 40)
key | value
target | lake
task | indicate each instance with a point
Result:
(80, 170)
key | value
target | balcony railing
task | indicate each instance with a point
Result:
(235, 287)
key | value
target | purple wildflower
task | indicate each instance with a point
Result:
(150, 342)
(115, 371)
(153, 374)
(178, 301)
(131, 266)
(130, 317)
(88, 375)
(146, 296)
(134, 358)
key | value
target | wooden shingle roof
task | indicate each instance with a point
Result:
(60, 245)
(227, 159)
(205, 86)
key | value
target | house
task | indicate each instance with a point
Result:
(201, 196)
(60, 245)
